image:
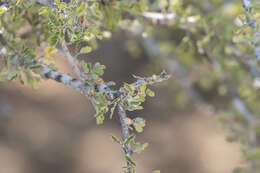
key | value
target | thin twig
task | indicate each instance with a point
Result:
(72, 60)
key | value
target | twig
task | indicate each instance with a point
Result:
(175, 67)
(125, 132)
(72, 60)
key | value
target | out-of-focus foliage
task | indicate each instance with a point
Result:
(215, 41)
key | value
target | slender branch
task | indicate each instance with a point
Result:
(151, 80)
(72, 60)
(125, 132)
(175, 67)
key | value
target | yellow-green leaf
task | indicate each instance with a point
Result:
(85, 49)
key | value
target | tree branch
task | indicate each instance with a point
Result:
(66, 79)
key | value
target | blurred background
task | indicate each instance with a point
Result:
(52, 129)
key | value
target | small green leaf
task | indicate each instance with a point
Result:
(128, 88)
(98, 69)
(115, 139)
(135, 107)
(145, 145)
(12, 75)
(150, 92)
(81, 7)
(142, 88)
(100, 119)
(129, 160)
(18, 2)
(53, 39)
(85, 49)
(139, 124)
(86, 66)
(57, 1)
(139, 148)
(157, 171)
(129, 140)
(62, 5)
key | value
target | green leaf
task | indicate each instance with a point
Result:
(53, 39)
(18, 2)
(129, 88)
(98, 69)
(43, 10)
(139, 148)
(86, 66)
(85, 49)
(115, 139)
(135, 107)
(129, 140)
(12, 75)
(139, 124)
(157, 171)
(57, 1)
(81, 7)
(150, 92)
(129, 160)
(142, 88)
(62, 5)
(100, 119)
